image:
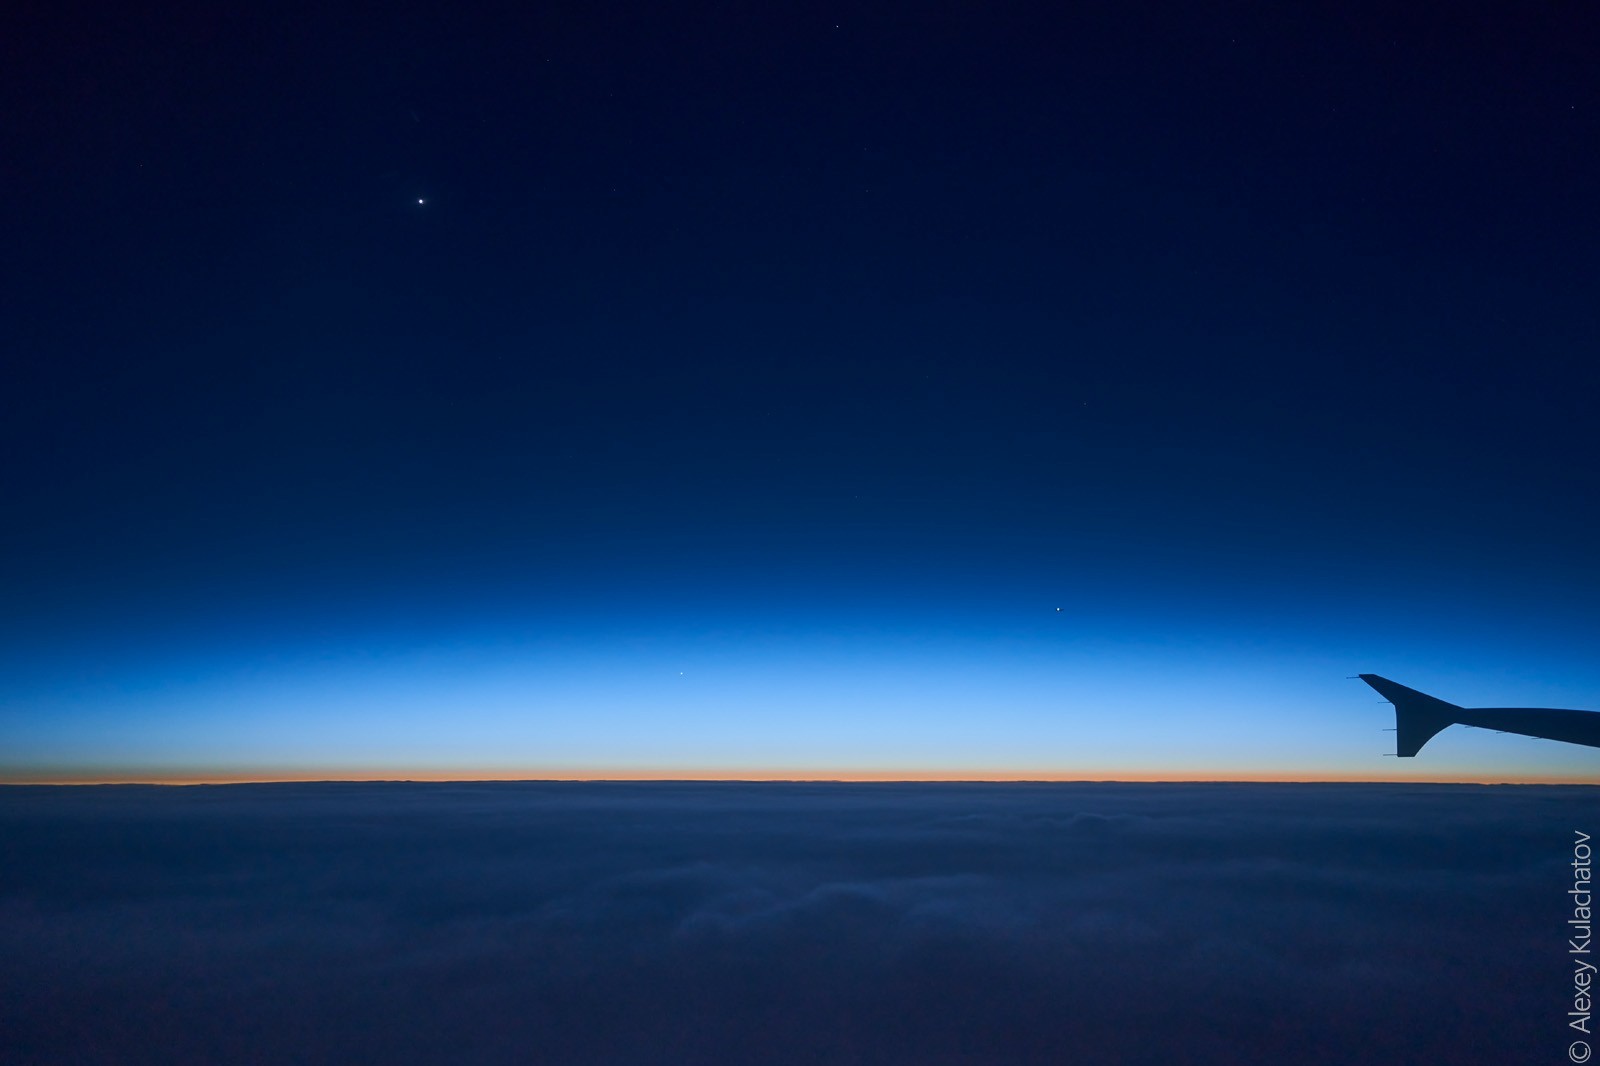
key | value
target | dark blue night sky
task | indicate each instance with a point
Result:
(680, 390)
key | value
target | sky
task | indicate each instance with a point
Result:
(616, 390)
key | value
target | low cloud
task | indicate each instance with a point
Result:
(717, 923)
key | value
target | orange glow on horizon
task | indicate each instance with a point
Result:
(466, 775)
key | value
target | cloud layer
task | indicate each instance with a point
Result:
(721, 923)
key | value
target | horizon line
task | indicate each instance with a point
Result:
(638, 776)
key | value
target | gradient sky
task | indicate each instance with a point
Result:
(744, 390)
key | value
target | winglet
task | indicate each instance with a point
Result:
(1417, 716)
